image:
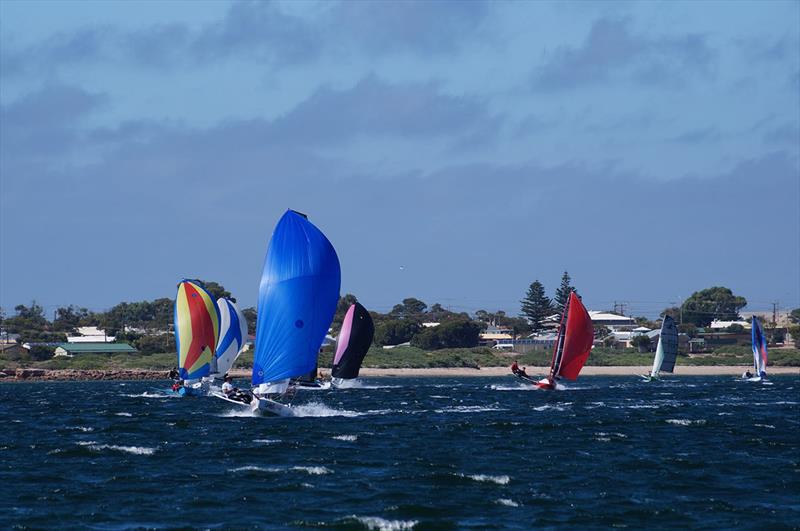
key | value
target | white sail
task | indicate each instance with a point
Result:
(232, 335)
(658, 360)
(667, 350)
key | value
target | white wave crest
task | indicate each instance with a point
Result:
(314, 470)
(81, 428)
(484, 478)
(318, 409)
(518, 387)
(123, 414)
(153, 395)
(548, 406)
(266, 441)
(136, 450)
(686, 422)
(469, 409)
(506, 502)
(770, 426)
(251, 468)
(350, 438)
(381, 524)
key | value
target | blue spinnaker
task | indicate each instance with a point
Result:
(759, 348)
(296, 300)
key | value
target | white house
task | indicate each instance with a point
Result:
(90, 334)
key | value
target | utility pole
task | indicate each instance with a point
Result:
(775, 313)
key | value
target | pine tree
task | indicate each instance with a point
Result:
(536, 306)
(562, 293)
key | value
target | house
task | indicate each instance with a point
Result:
(90, 334)
(495, 334)
(71, 349)
(611, 321)
(721, 325)
(12, 350)
(7, 338)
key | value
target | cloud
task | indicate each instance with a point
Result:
(703, 134)
(785, 134)
(612, 49)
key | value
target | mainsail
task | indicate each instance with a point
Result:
(574, 342)
(232, 334)
(296, 300)
(196, 329)
(759, 348)
(353, 342)
(667, 350)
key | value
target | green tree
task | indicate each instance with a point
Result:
(562, 293)
(712, 303)
(452, 334)
(641, 342)
(27, 318)
(536, 306)
(411, 308)
(252, 318)
(672, 311)
(794, 316)
(156, 344)
(395, 331)
(735, 328)
(217, 290)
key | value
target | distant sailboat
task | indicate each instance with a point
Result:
(352, 345)
(296, 302)
(232, 336)
(667, 350)
(573, 345)
(759, 353)
(196, 334)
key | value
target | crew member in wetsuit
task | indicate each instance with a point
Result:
(515, 367)
(234, 393)
(177, 385)
(174, 374)
(748, 374)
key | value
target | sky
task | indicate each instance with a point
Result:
(451, 151)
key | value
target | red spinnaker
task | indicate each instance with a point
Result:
(577, 339)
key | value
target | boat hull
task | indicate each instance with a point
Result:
(545, 384)
(259, 406)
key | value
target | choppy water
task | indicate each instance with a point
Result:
(693, 452)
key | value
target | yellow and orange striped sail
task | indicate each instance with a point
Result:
(196, 329)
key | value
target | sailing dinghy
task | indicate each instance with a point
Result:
(759, 353)
(297, 299)
(196, 335)
(666, 351)
(352, 345)
(573, 345)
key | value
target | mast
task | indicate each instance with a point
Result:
(558, 350)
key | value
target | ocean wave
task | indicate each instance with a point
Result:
(123, 414)
(318, 409)
(506, 502)
(136, 450)
(770, 426)
(485, 478)
(607, 437)
(266, 441)
(81, 428)
(313, 470)
(381, 524)
(153, 395)
(686, 422)
(350, 438)
(251, 468)
(469, 409)
(519, 387)
(548, 406)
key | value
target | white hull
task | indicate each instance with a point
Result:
(259, 406)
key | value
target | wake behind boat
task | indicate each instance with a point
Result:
(297, 300)
(667, 350)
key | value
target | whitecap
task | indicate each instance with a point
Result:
(266, 441)
(349, 438)
(123, 414)
(547, 406)
(686, 422)
(251, 468)
(318, 409)
(81, 428)
(381, 524)
(469, 409)
(770, 426)
(153, 395)
(485, 478)
(314, 470)
(519, 387)
(137, 450)
(506, 502)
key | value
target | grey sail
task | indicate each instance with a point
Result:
(669, 342)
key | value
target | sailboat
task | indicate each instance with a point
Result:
(232, 335)
(352, 345)
(759, 353)
(573, 345)
(196, 334)
(297, 299)
(666, 351)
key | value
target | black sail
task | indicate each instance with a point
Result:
(353, 342)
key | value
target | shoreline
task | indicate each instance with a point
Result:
(67, 375)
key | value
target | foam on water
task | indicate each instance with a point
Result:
(313, 470)
(81, 428)
(349, 438)
(469, 409)
(381, 524)
(485, 478)
(123, 414)
(506, 502)
(318, 409)
(266, 441)
(147, 394)
(686, 422)
(136, 450)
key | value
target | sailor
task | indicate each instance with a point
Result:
(174, 374)
(515, 367)
(748, 374)
(228, 387)
(522, 373)
(177, 385)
